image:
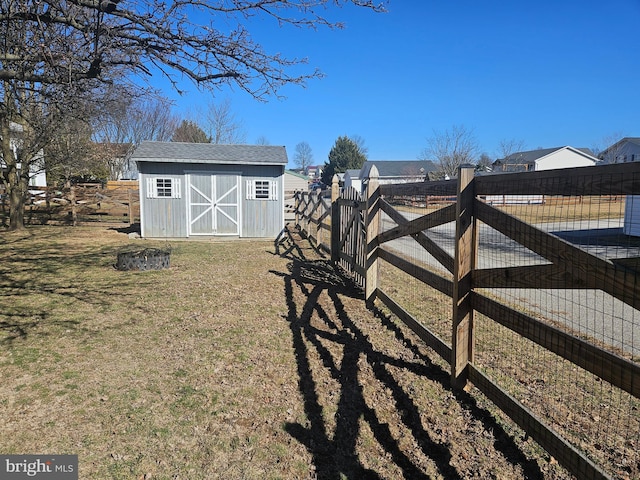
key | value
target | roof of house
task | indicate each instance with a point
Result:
(355, 174)
(296, 174)
(635, 140)
(398, 168)
(531, 156)
(177, 152)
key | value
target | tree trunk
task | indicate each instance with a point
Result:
(16, 203)
(16, 189)
(14, 185)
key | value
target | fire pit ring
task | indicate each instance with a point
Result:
(145, 259)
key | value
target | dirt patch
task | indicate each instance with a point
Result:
(243, 360)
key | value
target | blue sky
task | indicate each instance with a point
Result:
(548, 73)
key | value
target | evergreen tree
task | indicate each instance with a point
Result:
(344, 155)
(190, 132)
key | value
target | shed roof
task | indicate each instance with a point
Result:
(178, 152)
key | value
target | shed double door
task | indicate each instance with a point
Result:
(214, 204)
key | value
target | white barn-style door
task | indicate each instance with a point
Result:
(214, 204)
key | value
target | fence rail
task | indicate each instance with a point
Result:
(544, 266)
(81, 203)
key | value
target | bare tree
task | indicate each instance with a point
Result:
(29, 121)
(610, 149)
(359, 141)
(127, 122)
(450, 149)
(303, 157)
(507, 148)
(262, 140)
(133, 120)
(222, 124)
(72, 157)
(484, 163)
(54, 50)
(413, 173)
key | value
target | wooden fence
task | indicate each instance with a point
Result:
(82, 203)
(349, 227)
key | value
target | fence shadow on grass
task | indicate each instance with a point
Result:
(36, 266)
(335, 454)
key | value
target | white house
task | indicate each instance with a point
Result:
(37, 173)
(314, 172)
(536, 160)
(398, 171)
(545, 159)
(626, 150)
(352, 180)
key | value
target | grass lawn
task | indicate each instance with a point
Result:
(244, 360)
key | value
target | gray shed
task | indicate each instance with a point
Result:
(202, 189)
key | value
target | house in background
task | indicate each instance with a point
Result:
(203, 189)
(293, 182)
(37, 170)
(625, 150)
(117, 157)
(536, 160)
(352, 180)
(314, 172)
(398, 171)
(545, 159)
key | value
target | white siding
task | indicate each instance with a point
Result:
(563, 158)
(294, 183)
(632, 216)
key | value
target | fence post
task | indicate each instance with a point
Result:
(318, 215)
(317, 196)
(335, 219)
(372, 224)
(130, 200)
(465, 261)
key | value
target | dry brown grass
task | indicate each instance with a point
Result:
(554, 209)
(244, 360)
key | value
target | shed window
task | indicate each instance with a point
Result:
(163, 187)
(262, 190)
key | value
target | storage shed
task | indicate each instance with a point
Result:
(202, 189)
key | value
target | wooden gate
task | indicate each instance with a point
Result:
(351, 250)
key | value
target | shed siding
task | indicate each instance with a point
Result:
(168, 217)
(263, 218)
(163, 217)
